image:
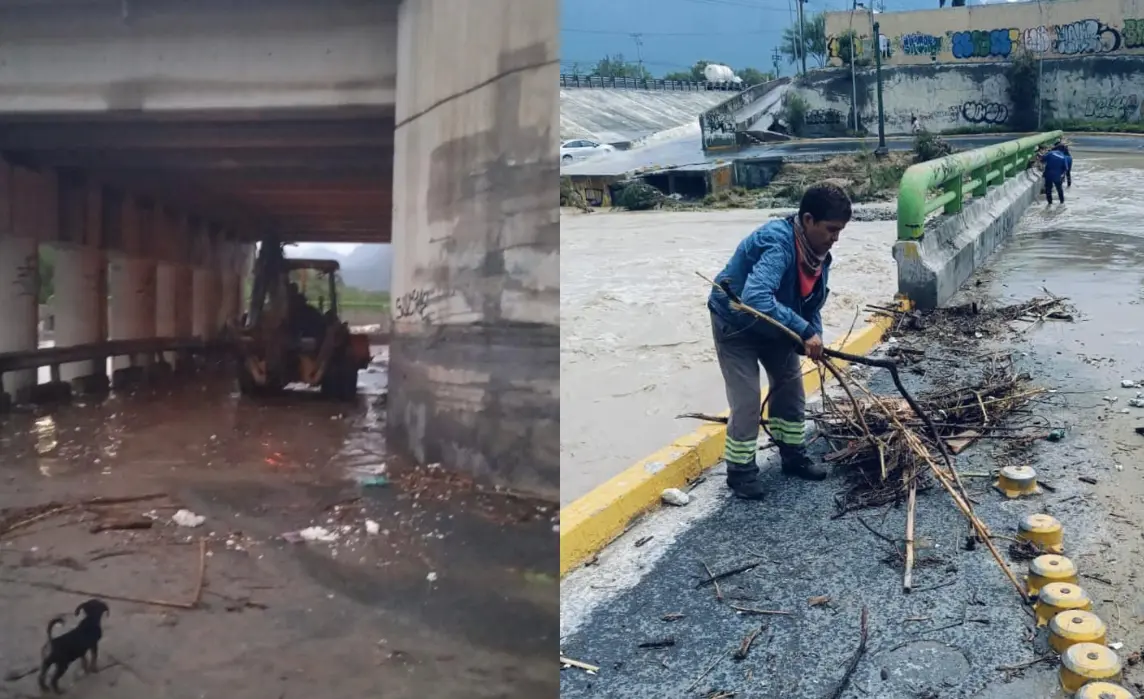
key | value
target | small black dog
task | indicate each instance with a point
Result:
(65, 649)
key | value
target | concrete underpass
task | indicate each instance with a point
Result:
(151, 145)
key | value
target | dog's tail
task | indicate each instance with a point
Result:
(52, 624)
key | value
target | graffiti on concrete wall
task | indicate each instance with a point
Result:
(992, 43)
(823, 117)
(27, 280)
(990, 113)
(417, 304)
(1113, 108)
(1084, 37)
(918, 44)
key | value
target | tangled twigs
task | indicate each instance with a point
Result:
(947, 476)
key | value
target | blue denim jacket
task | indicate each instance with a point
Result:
(763, 271)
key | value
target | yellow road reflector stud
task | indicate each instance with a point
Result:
(1076, 626)
(1049, 568)
(1017, 481)
(1103, 690)
(1085, 662)
(1044, 531)
(1060, 597)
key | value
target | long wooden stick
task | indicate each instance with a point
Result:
(911, 507)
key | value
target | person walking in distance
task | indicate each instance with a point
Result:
(782, 270)
(1058, 168)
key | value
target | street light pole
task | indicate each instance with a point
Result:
(878, 67)
(801, 36)
(853, 74)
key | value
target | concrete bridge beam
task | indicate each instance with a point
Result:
(475, 368)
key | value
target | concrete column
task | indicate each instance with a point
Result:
(80, 306)
(19, 310)
(474, 357)
(184, 300)
(205, 308)
(227, 288)
(166, 300)
(132, 312)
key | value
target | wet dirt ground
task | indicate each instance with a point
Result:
(455, 595)
(963, 625)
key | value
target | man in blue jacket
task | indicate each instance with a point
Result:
(782, 270)
(1058, 168)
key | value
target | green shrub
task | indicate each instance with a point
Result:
(639, 196)
(793, 112)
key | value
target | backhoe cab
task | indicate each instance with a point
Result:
(285, 339)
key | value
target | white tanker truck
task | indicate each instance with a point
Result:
(721, 74)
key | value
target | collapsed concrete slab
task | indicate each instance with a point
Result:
(933, 268)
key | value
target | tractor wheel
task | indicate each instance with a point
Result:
(340, 380)
(247, 386)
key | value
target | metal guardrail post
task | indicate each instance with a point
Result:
(985, 167)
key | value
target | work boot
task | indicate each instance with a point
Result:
(743, 480)
(797, 463)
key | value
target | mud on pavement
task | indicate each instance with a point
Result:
(963, 632)
(418, 584)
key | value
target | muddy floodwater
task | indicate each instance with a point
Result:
(635, 335)
(328, 567)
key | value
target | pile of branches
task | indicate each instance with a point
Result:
(973, 320)
(877, 439)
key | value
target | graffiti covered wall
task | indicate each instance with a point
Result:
(1060, 29)
(944, 97)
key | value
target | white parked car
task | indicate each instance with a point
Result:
(580, 149)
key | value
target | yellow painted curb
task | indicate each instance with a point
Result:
(594, 520)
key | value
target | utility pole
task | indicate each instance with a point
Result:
(878, 67)
(638, 38)
(801, 36)
(853, 70)
(776, 57)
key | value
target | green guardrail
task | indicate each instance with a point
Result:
(971, 172)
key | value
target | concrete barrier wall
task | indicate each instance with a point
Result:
(721, 124)
(931, 270)
(972, 95)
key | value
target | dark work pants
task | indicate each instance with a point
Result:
(1049, 184)
(740, 355)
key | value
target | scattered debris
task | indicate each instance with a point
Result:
(644, 540)
(431, 577)
(818, 601)
(1056, 435)
(665, 642)
(310, 534)
(727, 573)
(186, 518)
(1087, 479)
(752, 610)
(863, 636)
(673, 616)
(569, 662)
(675, 496)
(372, 527)
(123, 524)
(1128, 383)
(745, 647)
